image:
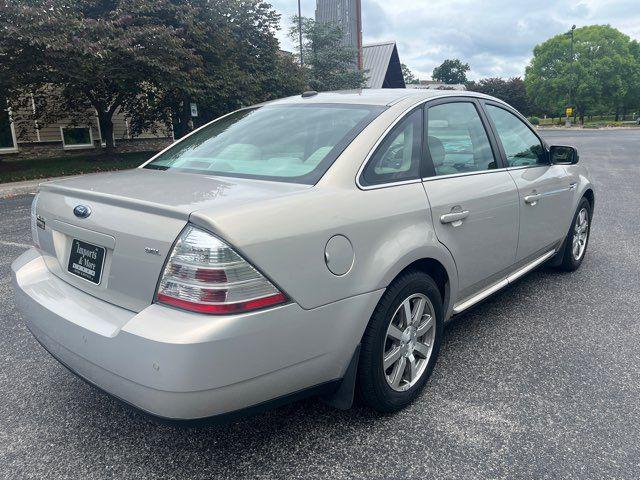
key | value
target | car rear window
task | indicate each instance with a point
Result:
(291, 143)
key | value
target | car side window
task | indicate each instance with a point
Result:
(398, 156)
(457, 140)
(521, 146)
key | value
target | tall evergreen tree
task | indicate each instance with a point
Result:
(330, 65)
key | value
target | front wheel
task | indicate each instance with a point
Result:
(401, 343)
(577, 238)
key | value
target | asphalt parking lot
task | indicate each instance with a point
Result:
(541, 380)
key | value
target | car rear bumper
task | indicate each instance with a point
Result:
(181, 365)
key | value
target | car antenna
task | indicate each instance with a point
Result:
(309, 93)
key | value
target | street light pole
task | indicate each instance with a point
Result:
(300, 31)
(571, 76)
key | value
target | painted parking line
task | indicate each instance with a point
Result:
(14, 244)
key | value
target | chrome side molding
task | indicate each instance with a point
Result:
(478, 297)
(530, 266)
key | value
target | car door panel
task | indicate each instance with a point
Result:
(484, 243)
(544, 189)
(474, 201)
(542, 219)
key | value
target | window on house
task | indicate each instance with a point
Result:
(7, 139)
(76, 137)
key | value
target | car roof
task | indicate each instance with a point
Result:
(379, 96)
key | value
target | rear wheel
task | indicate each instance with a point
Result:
(401, 343)
(577, 238)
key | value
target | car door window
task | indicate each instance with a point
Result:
(521, 146)
(398, 156)
(457, 140)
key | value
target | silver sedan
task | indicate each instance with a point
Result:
(311, 245)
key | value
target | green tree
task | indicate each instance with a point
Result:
(329, 65)
(409, 77)
(451, 72)
(513, 91)
(600, 77)
(148, 59)
(631, 101)
(88, 57)
(241, 63)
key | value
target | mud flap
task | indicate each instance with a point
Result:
(342, 398)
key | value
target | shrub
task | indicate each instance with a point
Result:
(534, 120)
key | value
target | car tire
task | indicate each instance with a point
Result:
(390, 389)
(577, 239)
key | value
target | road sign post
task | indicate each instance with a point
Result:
(569, 113)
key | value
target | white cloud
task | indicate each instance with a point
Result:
(496, 37)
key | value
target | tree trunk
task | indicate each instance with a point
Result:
(106, 131)
(181, 118)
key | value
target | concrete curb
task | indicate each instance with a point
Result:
(8, 190)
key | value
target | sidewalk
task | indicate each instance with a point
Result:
(586, 129)
(8, 190)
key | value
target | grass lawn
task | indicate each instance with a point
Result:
(18, 170)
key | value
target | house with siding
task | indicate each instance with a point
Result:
(22, 137)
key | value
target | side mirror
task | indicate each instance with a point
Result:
(563, 155)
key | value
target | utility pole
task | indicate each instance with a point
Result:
(359, 32)
(571, 77)
(300, 31)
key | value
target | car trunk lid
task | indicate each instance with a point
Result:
(117, 251)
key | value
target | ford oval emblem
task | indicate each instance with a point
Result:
(82, 211)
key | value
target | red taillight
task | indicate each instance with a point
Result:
(205, 275)
(223, 309)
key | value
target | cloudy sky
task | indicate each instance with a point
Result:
(496, 37)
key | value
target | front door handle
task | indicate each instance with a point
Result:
(532, 199)
(454, 218)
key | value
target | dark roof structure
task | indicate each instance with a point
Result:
(382, 65)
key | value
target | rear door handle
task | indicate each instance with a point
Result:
(532, 199)
(454, 218)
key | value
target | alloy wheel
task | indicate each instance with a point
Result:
(409, 342)
(580, 234)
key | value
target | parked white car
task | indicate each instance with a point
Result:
(311, 245)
